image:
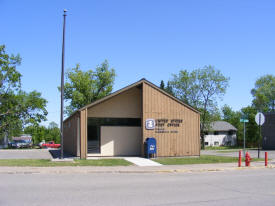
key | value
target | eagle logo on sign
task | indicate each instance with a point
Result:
(150, 124)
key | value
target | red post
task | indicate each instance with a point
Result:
(240, 158)
(247, 159)
(266, 158)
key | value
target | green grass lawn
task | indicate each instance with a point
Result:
(49, 163)
(203, 159)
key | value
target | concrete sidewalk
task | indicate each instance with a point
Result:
(132, 169)
(142, 162)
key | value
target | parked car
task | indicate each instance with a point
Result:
(20, 144)
(50, 144)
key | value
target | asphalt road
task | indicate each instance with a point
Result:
(25, 154)
(241, 187)
(229, 153)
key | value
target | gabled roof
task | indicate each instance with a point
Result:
(132, 86)
(222, 126)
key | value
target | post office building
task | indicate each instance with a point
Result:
(120, 123)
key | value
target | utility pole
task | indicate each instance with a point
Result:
(259, 136)
(244, 138)
(244, 119)
(62, 85)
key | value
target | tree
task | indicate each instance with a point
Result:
(200, 89)
(82, 88)
(162, 86)
(52, 125)
(264, 93)
(10, 81)
(233, 117)
(168, 88)
(40, 133)
(37, 132)
(54, 132)
(252, 132)
(17, 108)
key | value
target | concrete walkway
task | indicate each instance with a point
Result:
(134, 169)
(142, 162)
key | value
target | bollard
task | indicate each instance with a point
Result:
(266, 159)
(240, 158)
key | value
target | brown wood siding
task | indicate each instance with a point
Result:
(156, 105)
(83, 134)
(70, 135)
(142, 121)
(125, 105)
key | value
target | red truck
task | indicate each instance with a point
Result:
(50, 144)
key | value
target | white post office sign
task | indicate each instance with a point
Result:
(150, 124)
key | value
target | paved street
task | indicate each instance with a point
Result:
(239, 187)
(25, 154)
(253, 153)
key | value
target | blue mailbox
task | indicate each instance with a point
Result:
(150, 147)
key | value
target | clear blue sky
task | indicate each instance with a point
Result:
(150, 38)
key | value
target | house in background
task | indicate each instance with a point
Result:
(221, 133)
(25, 137)
(5, 142)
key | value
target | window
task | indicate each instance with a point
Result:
(216, 133)
(216, 143)
(230, 132)
(206, 143)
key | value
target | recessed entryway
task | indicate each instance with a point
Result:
(114, 136)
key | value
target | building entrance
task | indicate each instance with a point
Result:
(94, 133)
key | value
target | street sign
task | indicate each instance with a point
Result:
(260, 118)
(244, 120)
